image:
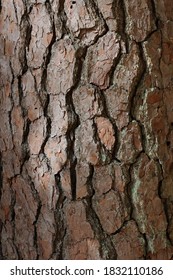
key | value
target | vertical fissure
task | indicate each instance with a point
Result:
(58, 213)
(73, 124)
(107, 250)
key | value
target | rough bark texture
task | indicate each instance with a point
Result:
(86, 162)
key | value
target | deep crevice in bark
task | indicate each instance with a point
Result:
(107, 249)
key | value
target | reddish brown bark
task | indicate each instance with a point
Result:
(86, 129)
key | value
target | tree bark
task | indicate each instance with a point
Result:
(86, 129)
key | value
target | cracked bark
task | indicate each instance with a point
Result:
(86, 129)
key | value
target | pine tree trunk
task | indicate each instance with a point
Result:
(86, 129)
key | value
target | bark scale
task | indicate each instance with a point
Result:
(86, 129)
